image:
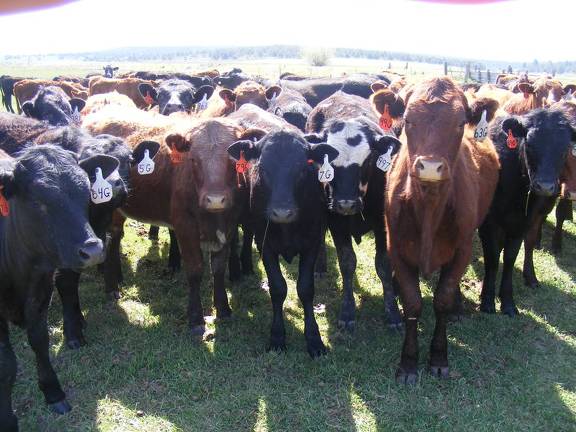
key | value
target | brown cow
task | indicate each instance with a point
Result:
(226, 101)
(440, 188)
(26, 89)
(534, 95)
(197, 196)
(97, 102)
(126, 86)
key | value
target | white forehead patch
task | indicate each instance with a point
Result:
(349, 154)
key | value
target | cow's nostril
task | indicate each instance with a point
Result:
(439, 169)
(83, 255)
(420, 166)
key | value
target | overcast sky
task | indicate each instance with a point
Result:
(514, 30)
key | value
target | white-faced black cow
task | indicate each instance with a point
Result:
(109, 71)
(348, 124)
(44, 196)
(287, 208)
(175, 95)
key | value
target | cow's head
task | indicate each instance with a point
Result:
(51, 104)
(359, 142)
(175, 95)
(48, 194)
(109, 71)
(292, 107)
(250, 92)
(232, 79)
(285, 173)
(543, 138)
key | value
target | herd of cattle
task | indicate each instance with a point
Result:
(421, 165)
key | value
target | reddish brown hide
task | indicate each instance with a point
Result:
(227, 101)
(533, 96)
(439, 190)
(126, 86)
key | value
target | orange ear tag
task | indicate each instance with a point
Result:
(385, 119)
(4, 206)
(176, 157)
(148, 99)
(242, 166)
(511, 140)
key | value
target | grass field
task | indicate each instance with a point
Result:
(141, 372)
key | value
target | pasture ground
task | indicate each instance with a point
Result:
(141, 372)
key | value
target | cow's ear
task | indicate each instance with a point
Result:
(177, 142)
(29, 109)
(525, 88)
(146, 90)
(273, 92)
(315, 138)
(108, 164)
(115, 68)
(478, 106)
(77, 104)
(138, 151)
(385, 97)
(253, 134)
(7, 181)
(251, 150)
(317, 152)
(228, 95)
(515, 125)
(383, 144)
(378, 85)
(570, 88)
(205, 90)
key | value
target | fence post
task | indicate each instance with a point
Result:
(467, 75)
(445, 68)
(488, 77)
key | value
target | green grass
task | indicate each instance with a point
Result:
(141, 372)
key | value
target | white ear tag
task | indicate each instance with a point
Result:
(203, 104)
(101, 190)
(76, 118)
(146, 165)
(385, 160)
(326, 173)
(481, 131)
(574, 149)
(272, 100)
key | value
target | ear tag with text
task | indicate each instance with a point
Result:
(4, 206)
(326, 172)
(511, 140)
(386, 119)
(101, 190)
(146, 165)
(481, 131)
(385, 160)
(76, 118)
(203, 104)
(574, 149)
(148, 99)
(242, 166)
(176, 157)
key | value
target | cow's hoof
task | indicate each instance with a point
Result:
(113, 296)
(61, 407)
(316, 348)
(509, 310)
(83, 322)
(224, 313)
(440, 371)
(349, 326)
(276, 344)
(531, 283)
(197, 330)
(556, 250)
(487, 307)
(75, 344)
(406, 377)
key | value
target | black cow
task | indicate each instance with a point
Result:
(54, 106)
(109, 71)
(232, 79)
(348, 124)
(196, 81)
(7, 89)
(532, 151)
(287, 208)
(176, 95)
(45, 227)
(291, 106)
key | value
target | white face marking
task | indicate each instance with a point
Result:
(349, 155)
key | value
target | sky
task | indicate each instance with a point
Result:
(513, 30)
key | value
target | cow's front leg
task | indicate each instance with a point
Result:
(218, 262)
(8, 421)
(67, 284)
(382, 264)
(278, 292)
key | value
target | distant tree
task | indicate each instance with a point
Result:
(317, 56)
